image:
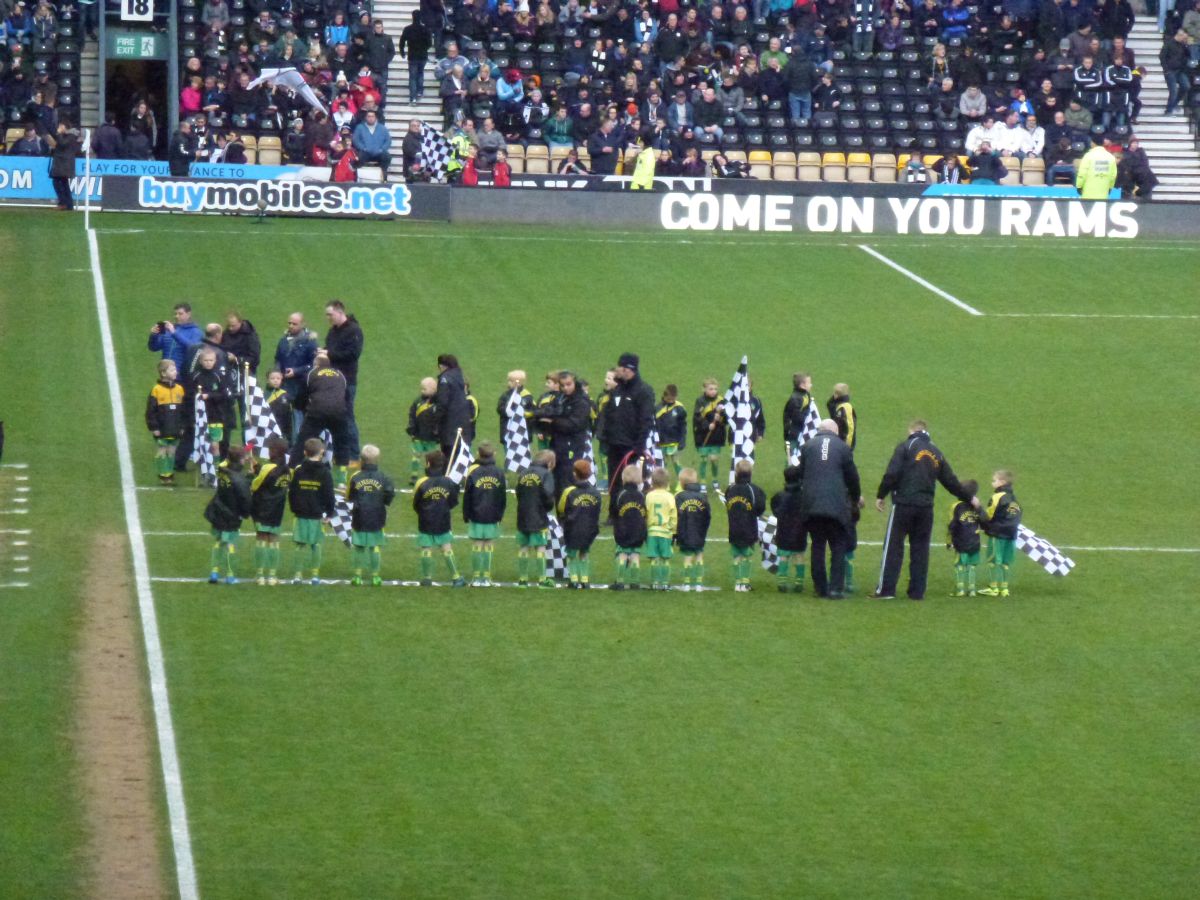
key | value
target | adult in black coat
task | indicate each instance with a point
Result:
(62, 164)
(137, 145)
(628, 416)
(569, 425)
(107, 142)
(344, 345)
(830, 486)
(453, 408)
(242, 341)
(1134, 175)
(182, 152)
(415, 41)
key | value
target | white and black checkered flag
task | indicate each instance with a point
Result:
(766, 537)
(653, 453)
(1042, 552)
(808, 430)
(556, 549)
(436, 153)
(740, 416)
(202, 448)
(260, 421)
(460, 460)
(327, 438)
(339, 522)
(517, 454)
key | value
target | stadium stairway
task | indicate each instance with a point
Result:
(89, 85)
(397, 15)
(1167, 140)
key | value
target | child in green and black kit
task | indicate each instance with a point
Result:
(433, 498)
(535, 502)
(693, 516)
(369, 492)
(311, 499)
(485, 495)
(1001, 520)
(280, 404)
(709, 431)
(670, 420)
(211, 387)
(164, 418)
(268, 497)
(744, 503)
(225, 512)
(629, 528)
(964, 540)
(791, 539)
(422, 427)
(579, 509)
(661, 519)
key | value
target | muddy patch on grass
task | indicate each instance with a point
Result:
(115, 737)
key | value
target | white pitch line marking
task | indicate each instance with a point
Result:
(21, 543)
(387, 583)
(185, 869)
(15, 531)
(20, 499)
(1046, 315)
(912, 276)
(14, 584)
(21, 489)
(14, 465)
(20, 559)
(13, 512)
(21, 570)
(20, 477)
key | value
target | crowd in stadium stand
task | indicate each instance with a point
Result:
(775, 75)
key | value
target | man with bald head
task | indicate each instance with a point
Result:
(294, 356)
(830, 487)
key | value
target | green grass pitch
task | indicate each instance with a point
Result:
(494, 743)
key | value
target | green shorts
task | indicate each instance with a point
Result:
(968, 559)
(1000, 550)
(531, 538)
(737, 552)
(225, 537)
(166, 442)
(268, 529)
(366, 539)
(628, 551)
(216, 433)
(668, 449)
(477, 531)
(657, 548)
(308, 531)
(424, 447)
(711, 451)
(434, 540)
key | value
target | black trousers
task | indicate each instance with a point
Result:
(916, 524)
(615, 456)
(312, 426)
(829, 533)
(62, 190)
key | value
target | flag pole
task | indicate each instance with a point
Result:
(87, 179)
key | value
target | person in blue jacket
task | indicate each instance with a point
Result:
(294, 355)
(372, 142)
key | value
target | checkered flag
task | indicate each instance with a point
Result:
(766, 537)
(653, 453)
(740, 416)
(517, 454)
(202, 448)
(339, 522)
(260, 422)
(1042, 552)
(460, 460)
(436, 153)
(327, 439)
(808, 430)
(556, 549)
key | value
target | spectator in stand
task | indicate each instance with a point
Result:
(603, 148)
(182, 152)
(681, 113)
(1097, 171)
(136, 146)
(863, 21)
(826, 96)
(1191, 27)
(708, 114)
(1013, 140)
(1134, 175)
(986, 130)
(1174, 60)
(948, 171)
(1089, 84)
(1052, 24)
(584, 125)
(1060, 162)
(415, 41)
(571, 165)
(1118, 79)
(490, 143)
(1078, 119)
(344, 346)
(106, 142)
(372, 143)
(723, 167)
(955, 19)
(453, 92)
(1056, 131)
(772, 83)
(972, 104)
(447, 63)
(1062, 70)
(945, 101)
(535, 111)
(336, 32)
(1081, 39)
(510, 93)
(985, 166)
(190, 98)
(412, 153)
(380, 51)
(1036, 137)
(481, 90)
(32, 144)
(559, 131)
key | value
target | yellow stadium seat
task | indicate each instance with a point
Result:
(515, 151)
(760, 170)
(268, 157)
(539, 151)
(517, 165)
(858, 167)
(902, 160)
(1014, 171)
(13, 135)
(1033, 171)
(249, 141)
(537, 165)
(833, 167)
(736, 156)
(760, 156)
(269, 143)
(251, 156)
(783, 166)
(809, 168)
(883, 168)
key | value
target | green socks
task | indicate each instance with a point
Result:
(426, 565)
(451, 564)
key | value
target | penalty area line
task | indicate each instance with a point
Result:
(185, 870)
(913, 276)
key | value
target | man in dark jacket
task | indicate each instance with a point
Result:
(107, 142)
(454, 410)
(182, 152)
(604, 146)
(912, 475)
(325, 404)
(62, 164)
(799, 74)
(344, 345)
(569, 425)
(241, 340)
(294, 356)
(830, 486)
(380, 49)
(30, 145)
(629, 415)
(415, 41)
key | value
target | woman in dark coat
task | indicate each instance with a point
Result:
(1134, 176)
(62, 164)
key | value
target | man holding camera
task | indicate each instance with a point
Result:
(174, 340)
